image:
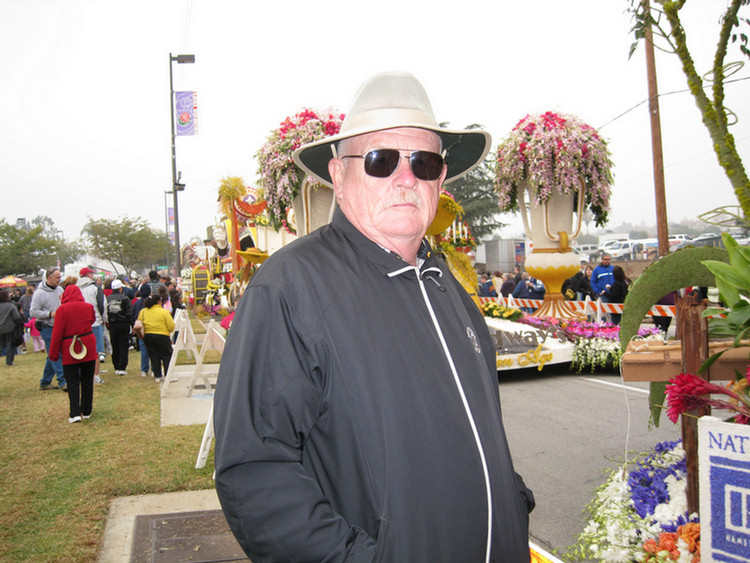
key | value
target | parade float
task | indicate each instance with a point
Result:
(255, 222)
(287, 204)
(551, 168)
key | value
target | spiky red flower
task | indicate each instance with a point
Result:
(687, 392)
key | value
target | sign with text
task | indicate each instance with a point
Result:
(724, 470)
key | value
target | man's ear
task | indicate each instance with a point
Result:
(336, 169)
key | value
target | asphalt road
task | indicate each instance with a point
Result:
(564, 430)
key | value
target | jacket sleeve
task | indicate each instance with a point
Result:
(268, 397)
(36, 304)
(517, 289)
(595, 281)
(169, 320)
(127, 308)
(58, 331)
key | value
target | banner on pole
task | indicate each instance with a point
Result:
(170, 224)
(186, 113)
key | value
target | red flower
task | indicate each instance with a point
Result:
(332, 128)
(687, 392)
(522, 151)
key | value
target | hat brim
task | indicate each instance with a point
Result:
(465, 149)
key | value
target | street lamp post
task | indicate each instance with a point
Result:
(176, 186)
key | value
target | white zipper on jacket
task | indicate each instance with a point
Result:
(464, 401)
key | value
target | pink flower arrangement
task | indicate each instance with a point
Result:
(687, 392)
(551, 151)
(281, 179)
(574, 329)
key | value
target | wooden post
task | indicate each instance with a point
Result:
(656, 148)
(693, 331)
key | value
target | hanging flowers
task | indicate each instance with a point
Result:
(554, 150)
(281, 179)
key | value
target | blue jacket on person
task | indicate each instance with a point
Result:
(532, 290)
(601, 277)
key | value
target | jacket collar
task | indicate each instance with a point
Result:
(387, 262)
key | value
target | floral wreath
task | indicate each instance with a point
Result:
(554, 150)
(280, 178)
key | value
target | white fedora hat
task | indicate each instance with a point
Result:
(386, 101)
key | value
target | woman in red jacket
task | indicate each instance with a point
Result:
(73, 340)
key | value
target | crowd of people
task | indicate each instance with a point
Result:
(80, 320)
(604, 281)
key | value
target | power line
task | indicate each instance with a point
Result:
(639, 104)
(186, 29)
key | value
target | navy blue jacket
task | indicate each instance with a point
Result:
(357, 415)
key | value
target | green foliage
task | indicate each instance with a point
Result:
(682, 268)
(663, 20)
(733, 282)
(476, 194)
(131, 242)
(25, 251)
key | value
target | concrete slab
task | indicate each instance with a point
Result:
(120, 530)
(177, 408)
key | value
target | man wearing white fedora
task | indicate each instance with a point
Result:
(356, 410)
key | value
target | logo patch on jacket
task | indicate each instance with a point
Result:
(473, 338)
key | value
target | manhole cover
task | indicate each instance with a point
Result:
(185, 537)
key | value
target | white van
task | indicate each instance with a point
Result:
(587, 252)
(606, 247)
(621, 250)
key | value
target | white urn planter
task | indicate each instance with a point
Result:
(313, 207)
(549, 225)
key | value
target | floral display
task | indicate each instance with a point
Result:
(552, 151)
(281, 179)
(204, 311)
(497, 311)
(682, 545)
(597, 345)
(574, 329)
(687, 392)
(640, 512)
(596, 353)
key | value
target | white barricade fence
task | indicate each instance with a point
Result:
(214, 341)
(185, 341)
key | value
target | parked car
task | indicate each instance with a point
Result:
(706, 239)
(674, 240)
(587, 252)
(606, 247)
(621, 250)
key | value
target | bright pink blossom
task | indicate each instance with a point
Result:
(687, 392)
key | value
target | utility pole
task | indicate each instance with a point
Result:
(662, 226)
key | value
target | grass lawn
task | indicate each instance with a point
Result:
(58, 478)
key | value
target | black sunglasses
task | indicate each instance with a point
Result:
(381, 163)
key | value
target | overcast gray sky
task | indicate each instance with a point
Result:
(84, 92)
